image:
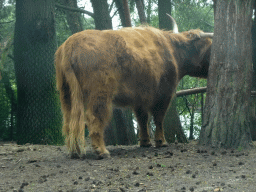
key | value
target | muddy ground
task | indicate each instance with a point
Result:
(178, 167)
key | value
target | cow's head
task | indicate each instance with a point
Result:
(195, 50)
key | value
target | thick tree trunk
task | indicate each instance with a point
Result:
(38, 115)
(73, 18)
(227, 112)
(253, 99)
(163, 8)
(101, 15)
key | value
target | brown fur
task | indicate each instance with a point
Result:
(137, 67)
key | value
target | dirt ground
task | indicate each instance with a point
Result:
(178, 167)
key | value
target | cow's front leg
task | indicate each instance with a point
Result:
(142, 117)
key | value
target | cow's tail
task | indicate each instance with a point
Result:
(71, 101)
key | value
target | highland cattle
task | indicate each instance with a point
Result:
(138, 67)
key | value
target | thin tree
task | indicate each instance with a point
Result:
(127, 16)
(38, 114)
(141, 12)
(172, 125)
(227, 114)
(119, 130)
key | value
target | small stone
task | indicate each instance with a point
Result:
(150, 167)
(87, 179)
(135, 172)
(137, 184)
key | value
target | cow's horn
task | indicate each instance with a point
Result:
(174, 24)
(210, 35)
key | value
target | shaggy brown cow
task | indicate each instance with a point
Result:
(138, 67)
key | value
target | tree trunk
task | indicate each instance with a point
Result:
(141, 11)
(132, 138)
(121, 11)
(102, 18)
(191, 128)
(253, 99)
(163, 8)
(117, 132)
(38, 114)
(127, 15)
(172, 125)
(149, 10)
(73, 18)
(227, 116)
(11, 95)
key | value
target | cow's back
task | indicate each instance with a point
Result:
(134, 58)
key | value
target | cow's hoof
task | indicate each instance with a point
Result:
(74, 156)
(145, 143)
(160, 143)
(103, 156)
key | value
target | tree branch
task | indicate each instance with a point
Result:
(5, 22)
(75, 10)
(199, 90)
(111, 6)
(191, 91)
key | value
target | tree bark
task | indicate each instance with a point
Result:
(172, 125)
(73, 18)
(253, 99)
(102, 18)
(141, 11)
(38, 114)
(149, 10)
(163, 8)
(227, 116)
(127, 16)
(121, 11)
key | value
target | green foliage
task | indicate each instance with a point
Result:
(194, 14)
(186, 103)
(8, 88)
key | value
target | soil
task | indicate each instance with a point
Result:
(178, 167)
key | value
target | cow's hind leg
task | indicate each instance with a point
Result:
(158, 112)
(99, 111)
(142, 117)
(97, 117)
